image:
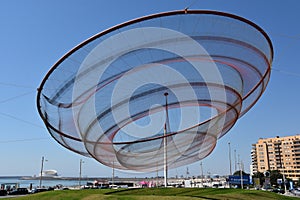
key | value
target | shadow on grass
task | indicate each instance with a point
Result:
(202, 197)
(121, 191)
(154, 192)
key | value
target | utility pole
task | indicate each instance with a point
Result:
(229, 152)
(187, 172)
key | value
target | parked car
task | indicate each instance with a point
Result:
(103, 187)
(3, 192)
(114, 186)
(37, 190)
(296, 192)
(19, 191)
(278, 190)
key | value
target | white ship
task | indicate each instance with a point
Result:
(49, 174)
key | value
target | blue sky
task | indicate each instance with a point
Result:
(35, 34)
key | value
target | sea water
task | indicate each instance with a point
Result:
(45, 183)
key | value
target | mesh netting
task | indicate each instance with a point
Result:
(105, 98)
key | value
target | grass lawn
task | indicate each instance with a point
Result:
(156, 194)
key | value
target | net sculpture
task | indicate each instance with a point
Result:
(156, 91)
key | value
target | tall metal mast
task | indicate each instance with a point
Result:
(165, 143)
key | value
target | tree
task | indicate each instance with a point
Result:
(260, 176)
(274, 176)
(238, 173)
(298, 183)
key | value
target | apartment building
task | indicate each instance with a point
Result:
(279, 153)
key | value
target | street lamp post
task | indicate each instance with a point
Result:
(229, 153)
(201, 173)
(241, 171)
(41, 174)
(209, 179)
(284, 182)
(113, 174)
(235, 168)
(80, 170)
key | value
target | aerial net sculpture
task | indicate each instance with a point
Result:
(156, 91)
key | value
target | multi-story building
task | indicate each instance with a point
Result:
(279, 153)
